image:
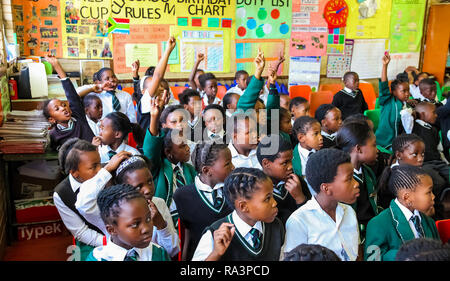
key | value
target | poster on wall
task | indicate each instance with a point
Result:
(367, 55)
(309, 29)
(87, 70)
(305, 71)
(263, 19)
(38, 27)
(339, 64)
(407, 25)
(247, 50)
(400, 61)
(85, 29)
(368, 19)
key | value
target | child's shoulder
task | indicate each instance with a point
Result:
(184, 191)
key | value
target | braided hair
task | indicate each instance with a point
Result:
(121, 123)
(353, 134)
(303, 124)
(205, 154)
(311, 252)
(401, 142)
(109, 200)
(242, 183)
(423, 249)
(98, 74)
(133, 163)
(404, 177)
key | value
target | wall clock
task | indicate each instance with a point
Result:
(336, 13)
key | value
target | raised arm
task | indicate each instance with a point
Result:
(200, 58)
(386, 60)
(251, 94)
(160, 69)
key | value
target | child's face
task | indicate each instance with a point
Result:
(95, 110)
(368, 152)
(246, 136)
(109, 76)
(281, 167)
(234, 100)
(213, 120)
(422, 198)
(261, 114)
(352, 82)
(286, 124)
(197, 74)
(194, 106)
(428, 91)
(222, 166)
(420, 78)
(59, 111)
(284, 101)
(402, 91)
(313, 138)
(107, 132)
(143, 180)
(413, 154)
(211, 87)
(175, 120)
(344, 188)
(179, 151)
(332, 121)
(88, 167)
(134, 227)
(300, 110)
(242, 81)
(262, 206)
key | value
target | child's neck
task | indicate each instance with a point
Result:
(115, 144)
(63, 123)
(211, 98)
(208, 181)
(251, 222)
(406, 205)
(327, 204)
(303, 145)
(274, 180)
(355, 162)
(119, 243)
(241, 150)
(326, 130)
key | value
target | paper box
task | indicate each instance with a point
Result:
(26, 187)
(36, 210)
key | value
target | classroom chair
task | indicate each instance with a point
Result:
(221, 91)
(130, 90)
(377, 103)
(300, 91)
(374, 115)
(176, 90)
(318, 98)
(369, 94)
(181, 233)
(334, 88)
(443, 227)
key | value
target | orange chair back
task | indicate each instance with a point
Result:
(129, 90)
(176, 90)
(369, 94)
(334, 88)
(221, 91)
(443, 227)
(300, 91)
(318, 98)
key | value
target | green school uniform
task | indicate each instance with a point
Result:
(250, 95)
(389, 230)
(297, 162)
(390, 119)
(158, 254)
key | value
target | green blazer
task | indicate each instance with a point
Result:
(162, 169)
(371, 183)
(297, 162)
(389, 230)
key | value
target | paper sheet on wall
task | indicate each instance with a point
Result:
(305, 71)
(174, 58)
(247, 50)
(400, 61)
(406, 25)
(339, 64)
(147, 54)
(309, 28)
(38, 80)
(368, 19)
(366, 58)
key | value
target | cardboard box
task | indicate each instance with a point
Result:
(25, 187)
(36, 210)
(41, 230)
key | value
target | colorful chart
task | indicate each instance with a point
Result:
(336, 40)
(369, 19)
(247, 50)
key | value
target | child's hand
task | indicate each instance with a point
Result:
(200, 57)
(115, 161)
(155, 108)
(98, 88)
(222, 239)
(135, 68)
(281, 59)
(97, 141)
(294, 187)
(272, 76)
(157, 218)
(52, 60)
(386, 58)
(260, 60)
(171, 43)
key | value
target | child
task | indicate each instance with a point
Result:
(94, 111)
(285, 101)
(307, 252)
(201, 203)
(190, 100)
(194, 82)
(208, 83)
(229, 103)
(414, 87)
(128, 221)
(240, 77)
(252, 232)
(307, 130)
(330, 120)
(244, 140)
(359, 141)
(324, 220)
(275, 156)
(428, 91)
(299, 107)
(350, 100)
(391, 105)
(214, 117)
(402, 221)
(114, 130)
(285, 122)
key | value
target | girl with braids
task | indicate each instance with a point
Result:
(114, 130)
(202, 203)
(405, 219)
(128, 220)
(252, 232)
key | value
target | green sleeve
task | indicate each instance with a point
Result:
(251, 94)
(153, 150)
(273, 101)
(385, 94)
(376, 247)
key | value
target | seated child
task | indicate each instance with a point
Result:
(402, 221)
(326, 219)
(307, 130)
(194, 82)
(128, 220)
(311, 252)
(443, 113)
(229, 103)
(208, 83)
(94, 111)
(423, 249)
(244, 140)
(359, 141)
(190, 100)
(350, 100)
(275, 156)
(201, 203)
(214, 118)
(252, 232)
(240, 77)
(285, 124)
(114, 130)
(428, 91)
(414, 87)
(299, 107)
(330, 120)
(285, 101)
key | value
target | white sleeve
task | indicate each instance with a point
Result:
(86, 202)
(84, 87)
(145, 102)
(407, 120)
(131, 111)
(296, 234)
(205, 247)
(168, 236)
(76, 225)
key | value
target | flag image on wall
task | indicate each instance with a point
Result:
(116, 25)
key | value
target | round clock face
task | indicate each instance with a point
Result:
(336, 13)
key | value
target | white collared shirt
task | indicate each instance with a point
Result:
(126, 104)
(73, 222)
(265, 94)
(310, 224)
(235, 90)
(218, 135)
(239, 160)
(330, 136)
(95, 127)
(113, 252)
(104, 149)
(205, 100)
(408, 214)
(206, 243)
(415, 92)
(207, 190)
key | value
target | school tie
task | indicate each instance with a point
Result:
(115, 100)
(310, 153)
(111, 153)
(179, 177)
(281, 188)
(256, 238)
(218, 200)
(131, 256)
(416, 220)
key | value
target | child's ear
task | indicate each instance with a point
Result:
(118, 135)
(326, 188)
(111, 229)
(206, 170)
(186, 107)
(301, 137)
(266, 163)
(51, 120)
(323, 123)
(241, 205)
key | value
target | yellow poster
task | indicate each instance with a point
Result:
(85, 30)
(368, 19)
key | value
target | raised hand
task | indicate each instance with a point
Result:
(200, 57)
(115, 161)
(386, 58)
(294, 187)
(272, 76)
(171, 43)
(135, 67)
(157, 218)
(222, 239)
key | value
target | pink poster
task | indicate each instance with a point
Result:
(309, 29)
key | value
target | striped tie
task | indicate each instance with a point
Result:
(416, 220)
(111, 154)
(131, 256)
(218, 200)
(281, 188)
(179, 177)
(256, 238)
(115, 100)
